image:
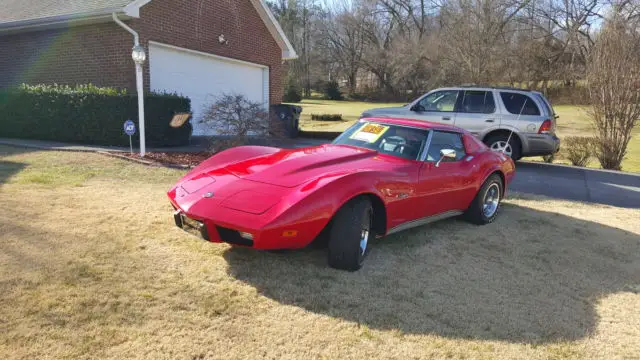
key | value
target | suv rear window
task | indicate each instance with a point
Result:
(519, 104)
(545, 103)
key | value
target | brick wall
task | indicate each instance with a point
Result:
(101, 53)
(68, 56)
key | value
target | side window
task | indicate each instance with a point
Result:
(442, 101)
(445, 140)
(519, 104)
(480, 102)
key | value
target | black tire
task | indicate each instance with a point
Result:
(475, 213)
(516, 146)
(346, 232)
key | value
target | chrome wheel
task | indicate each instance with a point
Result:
(491, 200)
(503, 147)
(365, 233)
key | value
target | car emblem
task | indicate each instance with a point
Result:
(208, 195)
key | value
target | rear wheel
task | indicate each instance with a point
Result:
(484, 208)
(350, 234)
(502, 143)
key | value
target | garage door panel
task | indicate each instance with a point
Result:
(203, 78)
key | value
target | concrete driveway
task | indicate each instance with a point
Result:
(571, 183)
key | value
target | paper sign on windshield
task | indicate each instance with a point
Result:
(370, 133)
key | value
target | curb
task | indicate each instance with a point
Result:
(571, 167)
(48, 148)
(145, 162)
(113, 154)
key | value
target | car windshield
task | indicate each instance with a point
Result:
(400, 141)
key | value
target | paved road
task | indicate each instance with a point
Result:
(589, 185)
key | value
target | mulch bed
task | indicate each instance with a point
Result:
(171, 158)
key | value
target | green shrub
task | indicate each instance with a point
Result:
(549, 158)
(326, 117)
(332, 91)
(90, 115)
(292, 94)
(579, 149)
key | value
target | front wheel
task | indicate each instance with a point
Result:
(350, 234)
(484, 208)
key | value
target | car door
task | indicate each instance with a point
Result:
(476, 111)
(438, 106)
(441, 184)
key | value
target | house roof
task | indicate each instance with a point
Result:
(24, 14)
(25, 10)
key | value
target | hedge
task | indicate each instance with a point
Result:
(326, 117)
(90, 115)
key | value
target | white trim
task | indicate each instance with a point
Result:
(288, 52)
(133, 9)
(218, 57)
(60, 20)
(266, 88)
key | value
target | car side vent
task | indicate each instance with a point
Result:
(233, 237)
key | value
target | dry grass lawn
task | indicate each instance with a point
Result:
(91, 266)
(573, 121)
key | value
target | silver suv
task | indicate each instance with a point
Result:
(515, 121)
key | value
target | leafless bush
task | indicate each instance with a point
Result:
(234, 119)
(579, 149)
(614, 90)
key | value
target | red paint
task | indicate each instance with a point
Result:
(273, 193)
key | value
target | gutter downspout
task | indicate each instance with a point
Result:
(139, 84)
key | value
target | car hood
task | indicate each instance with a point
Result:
(291, 168)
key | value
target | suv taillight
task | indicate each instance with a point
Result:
(546, 126)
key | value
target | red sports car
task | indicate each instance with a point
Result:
(379, 177)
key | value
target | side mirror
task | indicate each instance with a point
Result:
(417, 108)
(446, 154)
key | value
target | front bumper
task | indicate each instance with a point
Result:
(214, 233)
(191, 226)
(542, 144)
(289, 236)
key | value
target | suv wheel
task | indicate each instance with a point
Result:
(512, 148)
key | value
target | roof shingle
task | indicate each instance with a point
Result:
(22, 10)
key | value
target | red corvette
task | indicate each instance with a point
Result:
(379, 177)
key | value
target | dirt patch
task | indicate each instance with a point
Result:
(185, 159)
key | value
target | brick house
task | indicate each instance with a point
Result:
(196, 48)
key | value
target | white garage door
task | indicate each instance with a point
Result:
(202, 77)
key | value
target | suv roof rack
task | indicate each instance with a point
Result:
(493, 87)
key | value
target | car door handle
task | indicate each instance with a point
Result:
(446, 118)
(489, 120)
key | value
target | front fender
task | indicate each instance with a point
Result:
(315, 203)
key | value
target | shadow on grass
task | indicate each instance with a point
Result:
(10, 168)
(532, 277)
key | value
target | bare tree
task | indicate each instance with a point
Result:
(343, 39)
(613, 77)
